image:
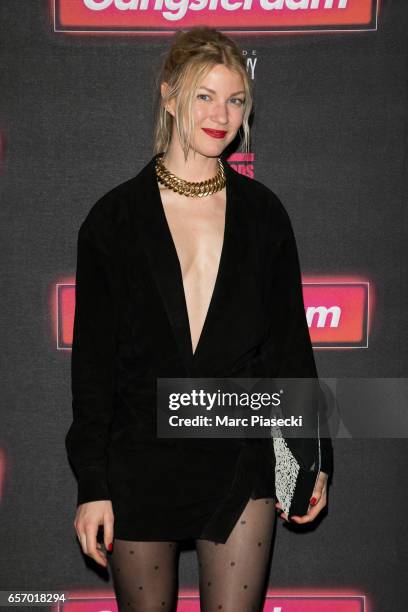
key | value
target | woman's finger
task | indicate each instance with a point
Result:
(312, 512)
(82, 541)
(108, 521)
(319, 488)
(91, 531)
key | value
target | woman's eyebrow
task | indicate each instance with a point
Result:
(212, 91)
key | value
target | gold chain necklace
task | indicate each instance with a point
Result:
(190, 188)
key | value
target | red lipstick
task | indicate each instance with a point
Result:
(215, 133)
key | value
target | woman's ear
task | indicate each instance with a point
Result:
(164, 88)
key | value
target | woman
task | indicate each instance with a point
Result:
(179, 280)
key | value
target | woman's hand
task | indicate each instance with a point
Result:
(87, 520)
(319, 494)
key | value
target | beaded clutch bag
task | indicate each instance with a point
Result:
(293, 484)
(286, 473)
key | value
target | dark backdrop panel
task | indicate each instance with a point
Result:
(330, 138)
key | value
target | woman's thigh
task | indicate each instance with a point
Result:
(232, 575)
(145, 575)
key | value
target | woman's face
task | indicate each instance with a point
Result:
(218, 110)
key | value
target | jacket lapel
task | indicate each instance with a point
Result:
(214, 341)
(154, 233)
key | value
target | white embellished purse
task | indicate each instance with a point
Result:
(286, 473)
(289, 474)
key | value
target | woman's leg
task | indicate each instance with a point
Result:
(145, 575)
(232, 575)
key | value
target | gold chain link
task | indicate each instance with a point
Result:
(189, 188)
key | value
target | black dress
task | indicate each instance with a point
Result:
(131, 327)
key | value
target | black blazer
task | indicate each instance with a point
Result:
(131, 323)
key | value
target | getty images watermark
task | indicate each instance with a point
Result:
(236, 408)
(288, 407)
(225, 400)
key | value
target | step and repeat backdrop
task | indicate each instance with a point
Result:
(329, 137)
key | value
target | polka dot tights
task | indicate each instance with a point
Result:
(145, 575)
(232, 575)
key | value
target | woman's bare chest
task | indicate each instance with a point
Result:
(197, 228)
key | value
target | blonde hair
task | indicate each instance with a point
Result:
(191, 56)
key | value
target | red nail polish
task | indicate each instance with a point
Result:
(110, 547)
(313, 501)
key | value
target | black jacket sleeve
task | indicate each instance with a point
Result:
(287, 351)
(296, 358)
(92, 363)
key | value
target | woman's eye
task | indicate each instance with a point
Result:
(237, 101)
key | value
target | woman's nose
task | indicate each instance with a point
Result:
(219, 114)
